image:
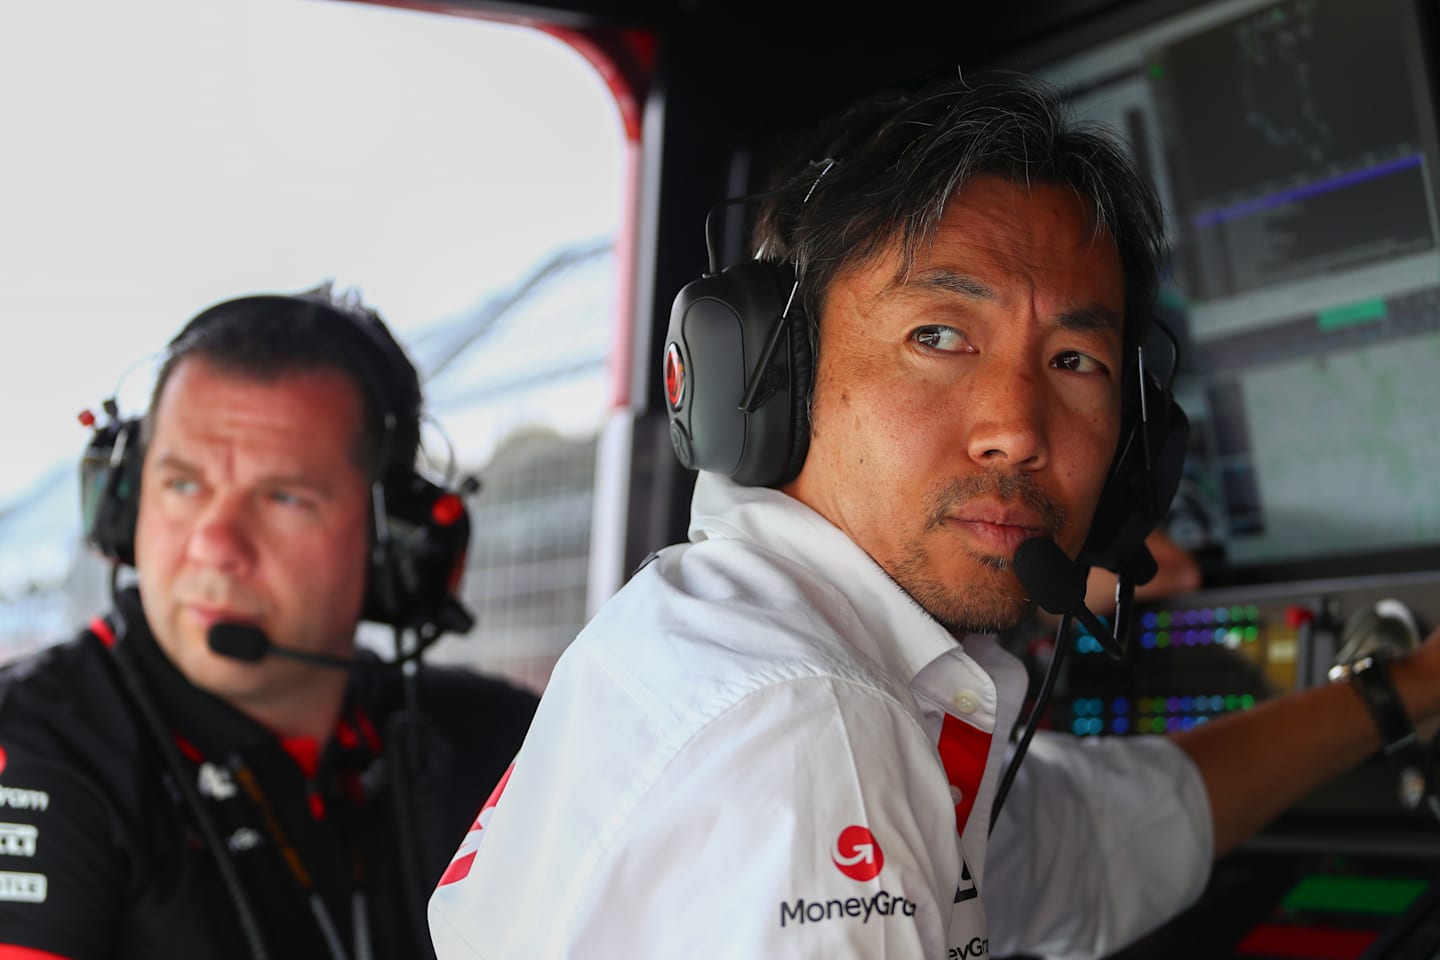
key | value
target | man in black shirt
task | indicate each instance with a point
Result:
(213, 770)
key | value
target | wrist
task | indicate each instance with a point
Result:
(1369, 676)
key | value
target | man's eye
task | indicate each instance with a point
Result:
(181, 485)
(286, 498)
(943, 339)
(1077, 362)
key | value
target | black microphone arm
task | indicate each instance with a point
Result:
(1057, 584)
(238, 641)
(248, 643)
(1139, 570)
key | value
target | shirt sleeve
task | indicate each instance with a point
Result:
(1101, 840)
(61, 874)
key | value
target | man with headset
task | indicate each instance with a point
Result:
(786, 738)
(212, 770)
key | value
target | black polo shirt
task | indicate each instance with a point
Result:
(101, 858)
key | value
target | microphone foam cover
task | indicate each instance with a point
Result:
(238, 641)
(1052, 579)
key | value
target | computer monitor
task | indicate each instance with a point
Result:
(1293, 145)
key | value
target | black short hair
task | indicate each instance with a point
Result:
(269, 336)
(900, 157)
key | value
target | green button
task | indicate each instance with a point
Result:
(1389, 895)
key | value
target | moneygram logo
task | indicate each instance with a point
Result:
(857, 855)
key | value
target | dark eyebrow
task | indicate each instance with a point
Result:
(315, 486)
(949, 282)
(170, 461)
(1084, 319)
(1091, 318)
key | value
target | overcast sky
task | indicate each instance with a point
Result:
(159, 155)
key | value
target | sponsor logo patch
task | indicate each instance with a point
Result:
(215, 781)
(965, 889)
(18, 839)
(882, 903)
(977, 949)
(857, 854)
(18, 798)
(23, 887)
(243, 839)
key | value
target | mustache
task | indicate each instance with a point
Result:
(207, 589)
(996, 484)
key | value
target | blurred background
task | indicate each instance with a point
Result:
(465, 176)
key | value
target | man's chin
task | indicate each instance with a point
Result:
(210, 671)
(972, 608)
(968, 618)
(984, 598)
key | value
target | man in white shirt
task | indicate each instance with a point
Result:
(784, 738)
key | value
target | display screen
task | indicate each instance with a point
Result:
(1293, 146)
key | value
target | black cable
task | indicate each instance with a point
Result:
(1175, 354)
(712, 243)
(401, 749)
(1042, 698)
(405, 760)
(244, 912)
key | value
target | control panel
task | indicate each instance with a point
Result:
(1210, 653)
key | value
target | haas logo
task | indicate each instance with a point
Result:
(857, 855)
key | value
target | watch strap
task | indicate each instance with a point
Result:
(1370, 677)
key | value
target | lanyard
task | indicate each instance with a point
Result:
(360, 925)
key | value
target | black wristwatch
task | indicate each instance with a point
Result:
(1370, 676)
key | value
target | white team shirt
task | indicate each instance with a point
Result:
(762, 747)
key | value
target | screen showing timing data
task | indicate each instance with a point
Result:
(1293, 145)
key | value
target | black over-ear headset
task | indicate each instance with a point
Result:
(738, 369)
(419, 530)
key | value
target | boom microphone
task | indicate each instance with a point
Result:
(1057, 584)
(248, 643)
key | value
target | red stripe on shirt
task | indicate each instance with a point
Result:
(458, 870)
(494, 796)
(964, 749)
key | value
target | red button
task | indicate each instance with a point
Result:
(447, 510)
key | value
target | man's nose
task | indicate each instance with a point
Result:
(1007, 416)
(222, 539)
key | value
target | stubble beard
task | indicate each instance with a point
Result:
(991, 599)
(986, 604)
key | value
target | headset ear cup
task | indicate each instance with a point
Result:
(110, 489)
(414, 571)
(716, 357)
(1138, 494)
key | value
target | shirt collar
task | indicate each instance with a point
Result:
(899, 634)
